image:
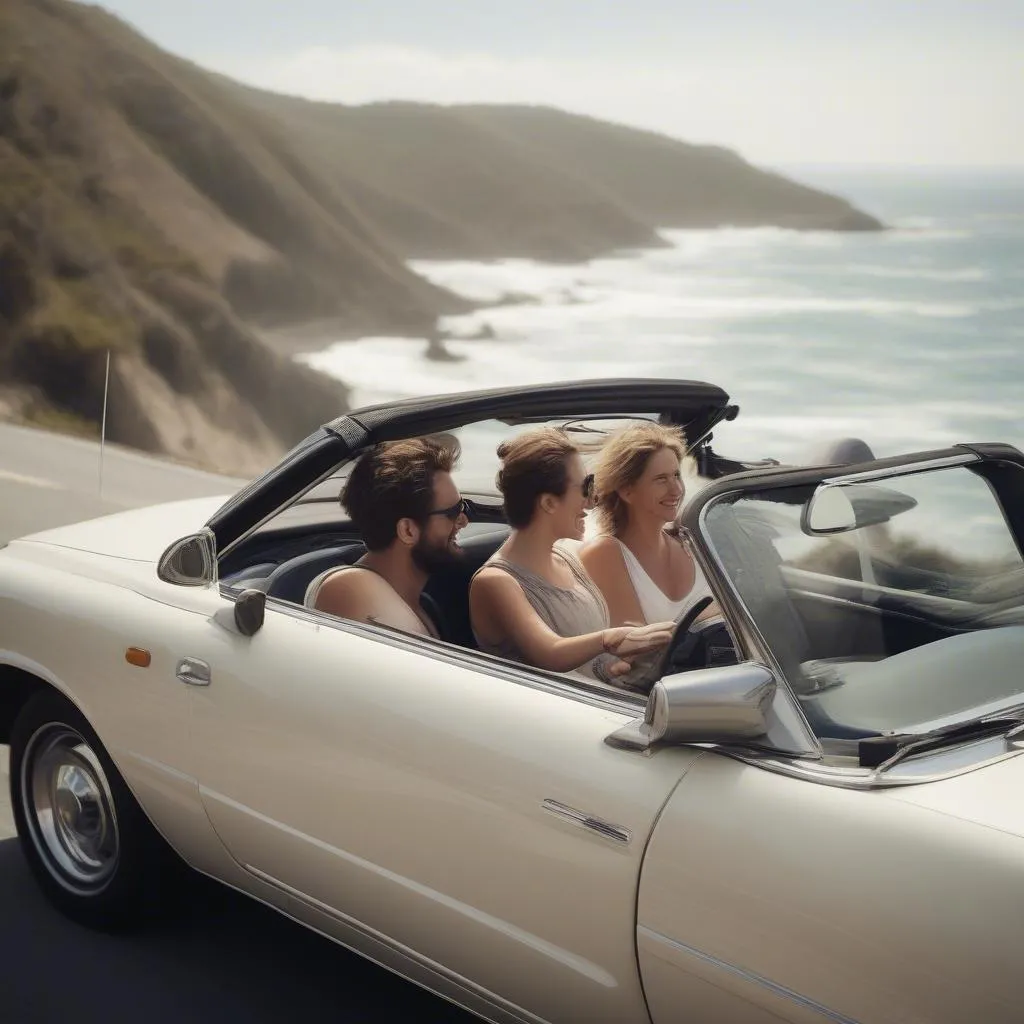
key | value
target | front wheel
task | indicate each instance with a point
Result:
(92, 850)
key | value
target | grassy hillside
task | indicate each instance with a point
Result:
(666, 182)
(489, 181)
(137, 217)
(160, 212)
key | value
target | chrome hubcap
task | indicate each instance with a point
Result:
(69, 809)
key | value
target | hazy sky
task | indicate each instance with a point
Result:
(783, 81)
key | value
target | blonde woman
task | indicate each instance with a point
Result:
(645, 574)
(532, 601)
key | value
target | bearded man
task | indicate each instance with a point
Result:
(402, 499)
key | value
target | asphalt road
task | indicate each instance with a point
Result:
(48, 480)
(224, 958)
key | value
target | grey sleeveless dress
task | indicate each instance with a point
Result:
(567, 612)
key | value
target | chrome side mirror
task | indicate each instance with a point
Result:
(712, 705)
(190, 561)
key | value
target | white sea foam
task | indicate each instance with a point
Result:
(693, 241)
(910, 234)
(492, 281)
(630, 310)
(891, 272)
(815, 335)
(917, 223)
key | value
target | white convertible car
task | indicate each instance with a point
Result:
(815, 814)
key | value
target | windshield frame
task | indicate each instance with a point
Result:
(694, 519)
(835, 763)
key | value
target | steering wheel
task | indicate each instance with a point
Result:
(697, 644)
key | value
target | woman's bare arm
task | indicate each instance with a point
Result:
(499, 610)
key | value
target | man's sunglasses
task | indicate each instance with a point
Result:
(460, 508)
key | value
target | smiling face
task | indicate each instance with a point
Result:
(658, 491)
(436, 544)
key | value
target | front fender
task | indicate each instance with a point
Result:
(766, 898)
(70, 632)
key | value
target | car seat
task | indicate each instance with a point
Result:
(290, 580)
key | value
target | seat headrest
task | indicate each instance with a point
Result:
(290, 579)
(843, 451)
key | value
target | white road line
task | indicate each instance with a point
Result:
(6, 818)
(32, 481)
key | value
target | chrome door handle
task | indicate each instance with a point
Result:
(596, 825)
(194, 672)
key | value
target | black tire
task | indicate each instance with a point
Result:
(91, 849)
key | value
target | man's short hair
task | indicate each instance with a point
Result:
(395, 480)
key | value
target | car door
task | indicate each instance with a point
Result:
(464, 811)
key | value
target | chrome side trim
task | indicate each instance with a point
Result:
(906, 773)
(566, 958)
(605, 829)
(362, 940)
(904, 469)
(757, 979)
(501, 1011)
(596, 694)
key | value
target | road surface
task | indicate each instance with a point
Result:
(226, 959)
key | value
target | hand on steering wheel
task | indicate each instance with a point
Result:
(630, 641)
(698, 642)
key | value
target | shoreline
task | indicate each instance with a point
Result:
(312, 336)
(307, 337)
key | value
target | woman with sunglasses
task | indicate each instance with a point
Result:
(532, 601)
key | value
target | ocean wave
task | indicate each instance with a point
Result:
(902, 232)
(789, 398)
(390, 368)
(501, 279)
(813, 335)
(916, 223)
(916, 273)
(624, 309)
(706, 239)
(658, 288)
(690, 251)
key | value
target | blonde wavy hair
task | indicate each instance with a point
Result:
(622, 461)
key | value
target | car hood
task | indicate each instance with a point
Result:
(139, 534)
(988, 795)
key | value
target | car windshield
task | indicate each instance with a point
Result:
(894, 604)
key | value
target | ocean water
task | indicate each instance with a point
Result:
(912, 338)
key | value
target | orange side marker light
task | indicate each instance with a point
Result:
(138, 657)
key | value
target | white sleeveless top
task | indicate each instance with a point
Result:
(653, 602)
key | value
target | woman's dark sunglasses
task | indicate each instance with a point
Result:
(460, 508)
(588, 486)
